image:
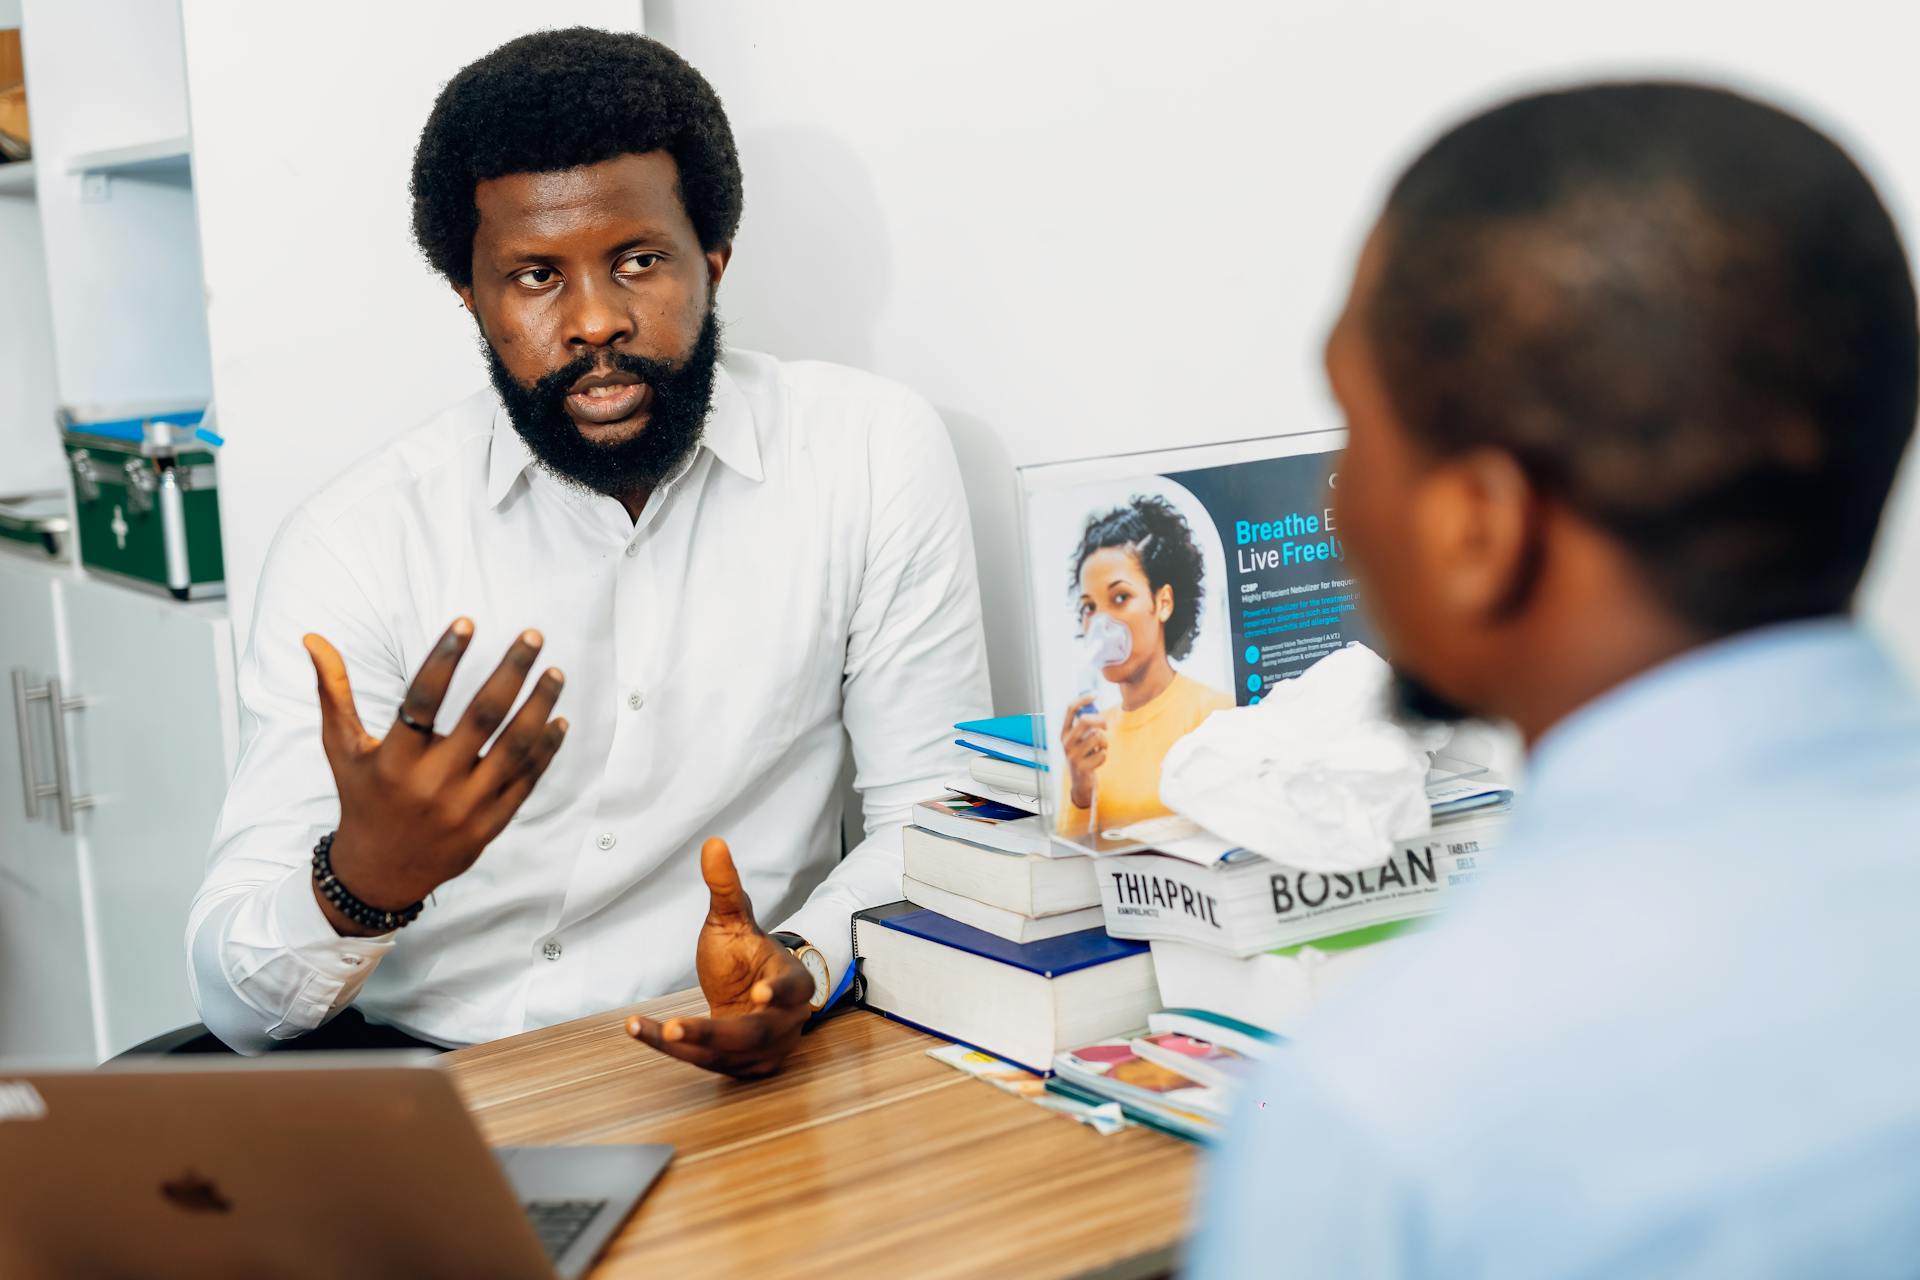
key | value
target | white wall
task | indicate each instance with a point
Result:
(30, 457)
(1086, 227)
(329, 333)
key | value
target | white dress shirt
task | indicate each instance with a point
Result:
(807, 579)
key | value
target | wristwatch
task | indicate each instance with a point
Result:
(815, 962)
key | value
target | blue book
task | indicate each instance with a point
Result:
(991, 754)
(1022, 1002)
(1049, 957)
(1007, 728)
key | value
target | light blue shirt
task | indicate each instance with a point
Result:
(1675, 1032)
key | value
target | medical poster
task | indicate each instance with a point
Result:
(1164, 587)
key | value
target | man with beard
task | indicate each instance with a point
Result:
(1627, 372)
(739, 563)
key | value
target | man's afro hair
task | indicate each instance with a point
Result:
(558, 100)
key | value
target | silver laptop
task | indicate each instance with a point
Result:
(306, 1165)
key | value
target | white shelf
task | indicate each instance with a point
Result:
(161, 158)
(16, 179)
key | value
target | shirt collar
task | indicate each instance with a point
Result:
(508, 457)
(1738, 707)
(730, 436)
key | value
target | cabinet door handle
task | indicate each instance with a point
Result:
(30, 783)
(61, 788)
(62, 761)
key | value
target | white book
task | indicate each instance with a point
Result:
(1023, 1003)
(984, 822)
(1274, 992)
(1027, 884)
(1250, 905)
(1002, 923)
(1016, 779)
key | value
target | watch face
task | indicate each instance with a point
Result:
(817, 966)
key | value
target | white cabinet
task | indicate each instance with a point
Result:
(46, 1006)
(151, 750)
(93, 918)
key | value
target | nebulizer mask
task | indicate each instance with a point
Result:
(1104, 641)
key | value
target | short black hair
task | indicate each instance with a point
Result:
(1685, 313)
(1162, 541)
(557, 100)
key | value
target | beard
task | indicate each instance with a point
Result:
(1416, 704)
(677, 416)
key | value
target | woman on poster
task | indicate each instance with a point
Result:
(1138, 580)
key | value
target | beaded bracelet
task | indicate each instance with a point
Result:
(367, 917)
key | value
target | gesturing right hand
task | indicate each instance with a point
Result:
(417, 808)
(1084, 740)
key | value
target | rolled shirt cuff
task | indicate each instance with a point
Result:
(309, 935)
(829, 928)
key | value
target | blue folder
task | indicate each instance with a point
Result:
(996, 755)
(1010, 728)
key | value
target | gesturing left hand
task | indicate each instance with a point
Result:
(758, 992)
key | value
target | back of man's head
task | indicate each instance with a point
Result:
(1685, 314)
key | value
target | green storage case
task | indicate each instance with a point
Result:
(147, 501)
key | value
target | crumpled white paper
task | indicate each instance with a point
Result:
(1316, 776)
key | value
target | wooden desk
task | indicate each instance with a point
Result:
(863, 1151)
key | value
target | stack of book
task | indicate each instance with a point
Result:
(999, 940)
(981, 854)
(1004, 758)
(1252, 940)
(1244, 947)
(1149, 979)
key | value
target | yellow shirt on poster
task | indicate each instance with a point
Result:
(1126, 789)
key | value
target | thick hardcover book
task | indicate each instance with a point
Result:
(1014, 926)
(1252, 905)
(1275, 990)
(1030, 884)
(1021, 1002)
(1049, 957)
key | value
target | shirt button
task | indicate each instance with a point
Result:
(552, 950)
(606, 840)
(636, 699)
(633, 549)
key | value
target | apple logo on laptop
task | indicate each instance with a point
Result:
(195, 1194)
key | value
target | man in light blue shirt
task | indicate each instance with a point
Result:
(1628, 371)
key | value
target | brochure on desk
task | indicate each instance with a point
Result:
(1253, 588)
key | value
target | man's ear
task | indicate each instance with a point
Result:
(466, 296)
(717, 260)
(1477, 518)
